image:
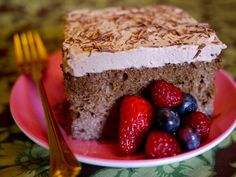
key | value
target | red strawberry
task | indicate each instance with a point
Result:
(135, 120)
(161, 144)
(200, 123)
(166, 95)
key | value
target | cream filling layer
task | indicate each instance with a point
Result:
(142, 57)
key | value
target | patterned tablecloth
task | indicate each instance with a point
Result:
(20, 157)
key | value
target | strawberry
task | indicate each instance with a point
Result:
(200, 123)
(166, 95)
(135, 120)
(161, 144)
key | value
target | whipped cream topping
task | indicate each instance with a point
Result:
(142, 57)
(120, 38)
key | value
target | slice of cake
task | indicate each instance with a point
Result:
(119, 51)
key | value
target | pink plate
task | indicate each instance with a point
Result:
(28, 114)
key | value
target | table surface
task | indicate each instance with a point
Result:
(20, 157)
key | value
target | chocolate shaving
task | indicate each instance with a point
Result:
(201, 46)
(119, 29)
(197, 54)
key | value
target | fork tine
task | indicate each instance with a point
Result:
(25, 47)
(40, 46)
(18, 49)
(32, 45)
(32, 59)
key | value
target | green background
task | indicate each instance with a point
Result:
(21, 157)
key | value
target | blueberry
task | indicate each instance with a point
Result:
(189, 138)
(167, 120)
(188, 105)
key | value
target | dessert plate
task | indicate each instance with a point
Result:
(28, 114)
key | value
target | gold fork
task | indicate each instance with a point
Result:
(32, 60)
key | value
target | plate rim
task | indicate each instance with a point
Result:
(124, 163)
(138, 163)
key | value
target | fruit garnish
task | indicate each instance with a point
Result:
(161, 144)
(136, 116)
(188, 105)
(188, 138)
(200, 123)
(174, 125)
(166, 95)
(167, 120)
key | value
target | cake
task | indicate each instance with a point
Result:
(112, 52)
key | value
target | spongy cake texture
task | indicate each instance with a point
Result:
(94, 98)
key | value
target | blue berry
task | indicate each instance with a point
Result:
(189, 138)
(188, 105)
(167, 120)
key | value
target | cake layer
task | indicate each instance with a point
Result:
(120, 38)
(94, 98)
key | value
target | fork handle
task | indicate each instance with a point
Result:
(62, 160)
